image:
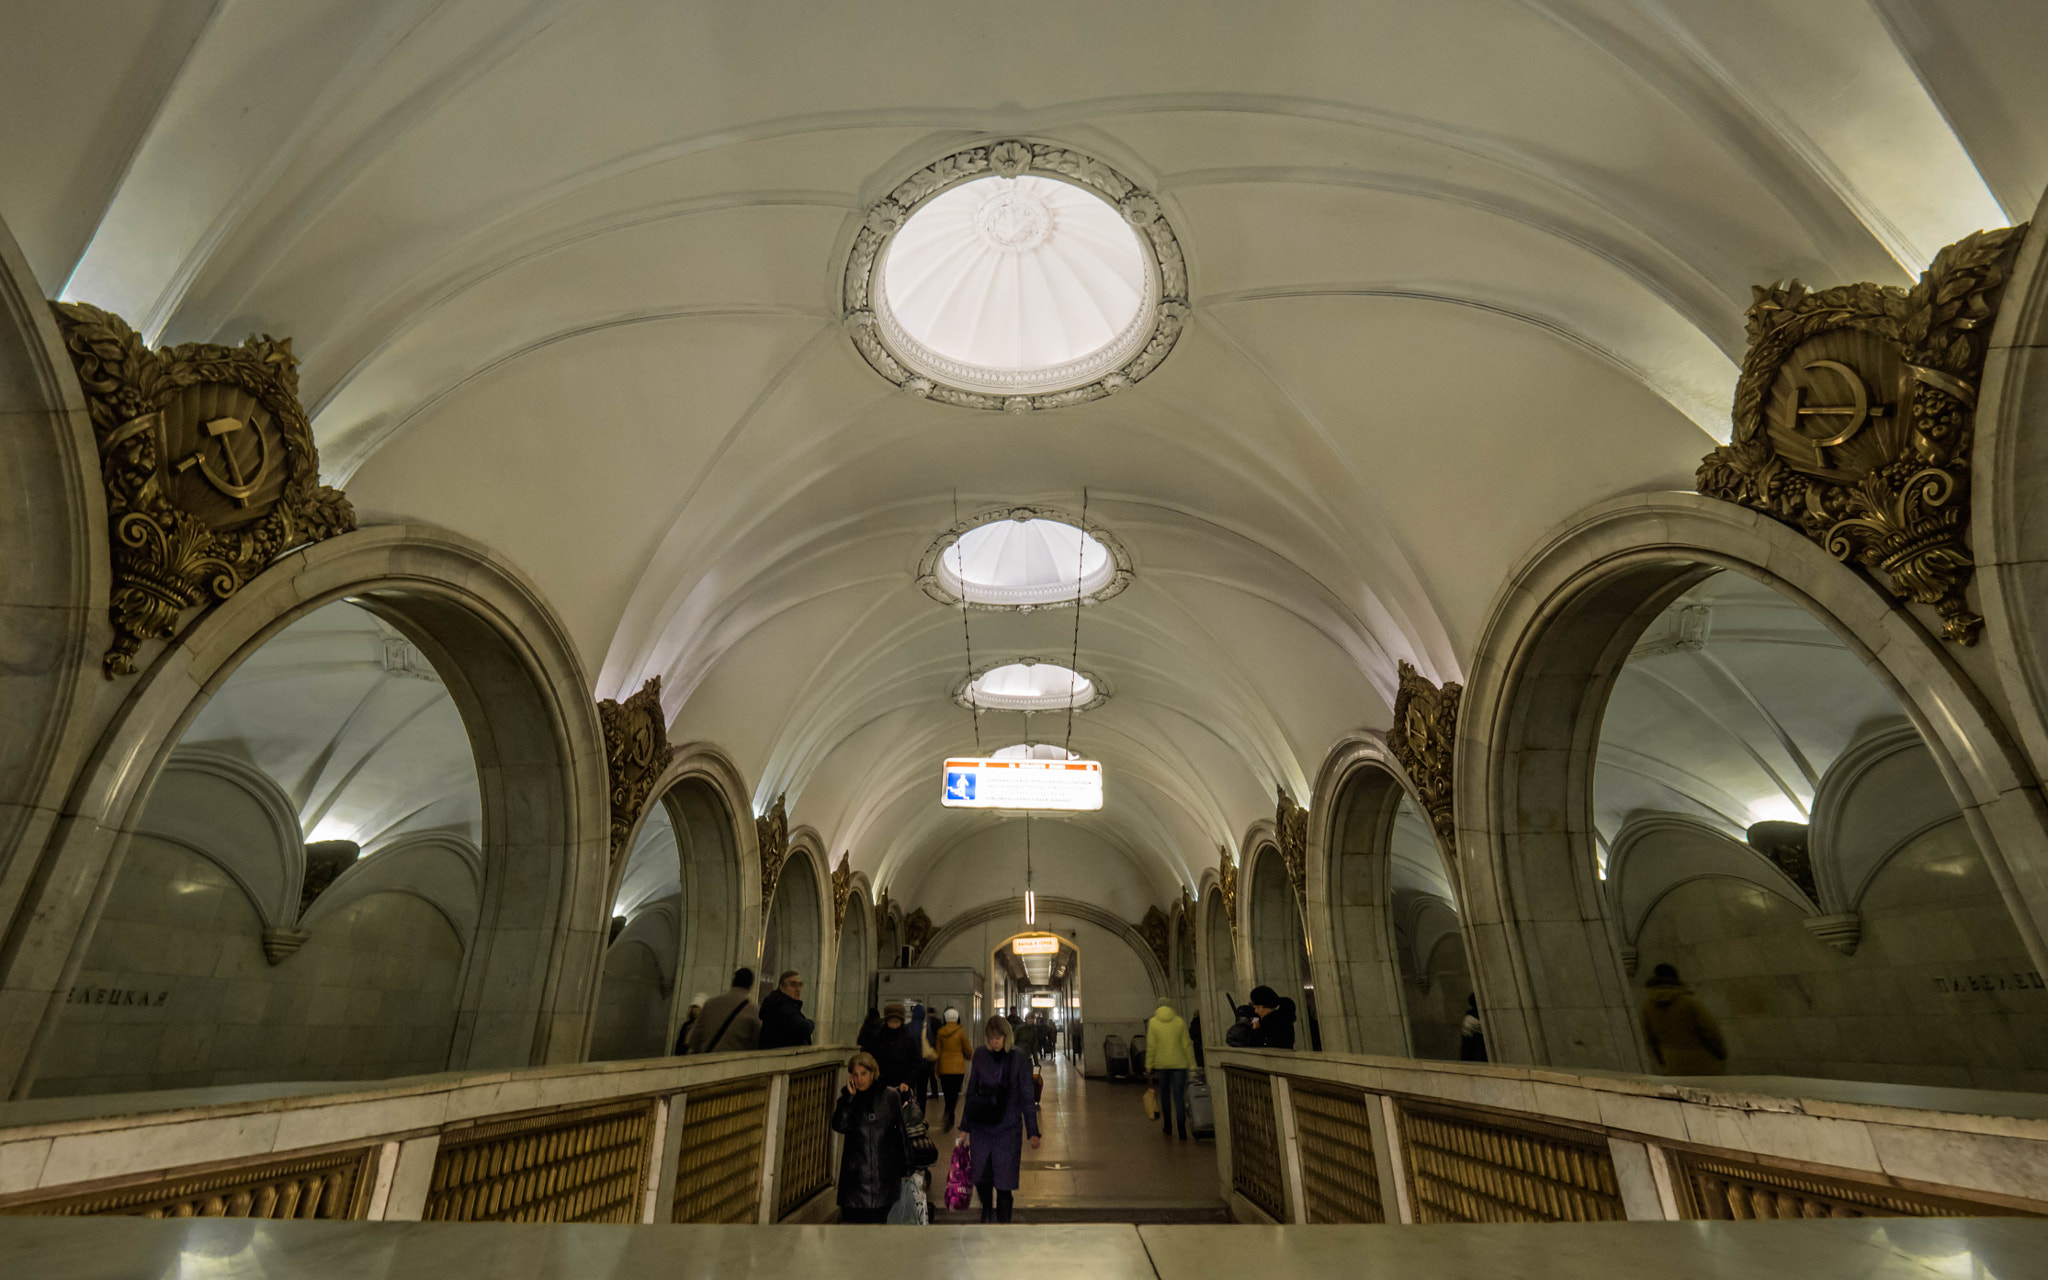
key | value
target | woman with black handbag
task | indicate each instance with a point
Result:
(877, 1153)
(999, 1112)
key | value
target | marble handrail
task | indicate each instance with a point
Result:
(1679, 1147)
(54, 1147)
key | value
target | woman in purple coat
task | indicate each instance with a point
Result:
(999, 1110)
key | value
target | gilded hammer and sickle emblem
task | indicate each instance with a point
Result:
(1858, 411)
(236, 484)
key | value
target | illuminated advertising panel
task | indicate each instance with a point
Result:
(1023, 784)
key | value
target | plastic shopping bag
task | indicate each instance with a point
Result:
(908, 1211)
(960, 1182)
(1151, 1102)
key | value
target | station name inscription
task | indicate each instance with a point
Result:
(117, 995)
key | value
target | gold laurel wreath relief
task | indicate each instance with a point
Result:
(636, 749)
(1854, 420)
(209, 468)
(771, 833)
(1290, 820)
(1423, 738)
(842, 891)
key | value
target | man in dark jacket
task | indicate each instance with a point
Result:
(1272, 1019)
(783, 1023)
(895, 1047)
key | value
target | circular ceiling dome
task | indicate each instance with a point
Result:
(1025, 562)
(1017, 276)
(1031, 686)
(1017, 283)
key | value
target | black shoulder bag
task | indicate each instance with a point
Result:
(985, 1103)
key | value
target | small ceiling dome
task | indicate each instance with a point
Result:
(1025, 562)
(1017, 285)
(1035, 751)
(1031, 686)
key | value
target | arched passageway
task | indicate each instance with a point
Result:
(855, 970)
(301, 897)
(1771, 826)
(457, 641)
(1677, 700)
(1279, 949)
(794, 937)
(675, 913)
(1219, 970)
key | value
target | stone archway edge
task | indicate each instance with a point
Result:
(534, 726)
(1971, 744)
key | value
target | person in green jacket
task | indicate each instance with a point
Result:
(1169, 1054)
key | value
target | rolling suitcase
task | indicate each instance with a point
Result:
(1117, 1057)
(1201, 1110)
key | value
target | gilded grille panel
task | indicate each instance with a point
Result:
(587, 1165)
(1255, 1141)
(1713, 1188)
(1467, 1167)
(806, 1167)
(718, 1169)
(1339, 1180)
(334, 1185)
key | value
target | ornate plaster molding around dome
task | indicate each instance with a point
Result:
(926, 374)
(1100, 686)
(935, 586)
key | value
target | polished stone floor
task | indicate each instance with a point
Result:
(1101, 1160)
(221, 1249)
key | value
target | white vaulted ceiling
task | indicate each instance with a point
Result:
(564, 275)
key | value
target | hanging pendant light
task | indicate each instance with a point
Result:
(1030, 898)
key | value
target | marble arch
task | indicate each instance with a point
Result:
(1551, 981)
(514, 676)
(1350, 916)
(706, 804)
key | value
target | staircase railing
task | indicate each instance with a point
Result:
(737, 1137)
(1311, 1137)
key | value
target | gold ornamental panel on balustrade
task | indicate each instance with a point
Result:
(1470, 1166)
(1716, 1188)
(1255, 1141)
(586, 1165)
(333, 1184)
(806, 1167)
(718, 1165)
(1340, 1180)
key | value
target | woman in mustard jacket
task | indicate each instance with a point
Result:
(955, 1053)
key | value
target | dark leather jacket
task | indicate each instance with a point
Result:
(877, 1150)
(783, 1023)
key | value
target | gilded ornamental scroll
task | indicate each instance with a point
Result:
(209, 467)
(1854, 419)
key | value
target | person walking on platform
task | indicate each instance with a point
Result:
(1001, 1113)
(877, 1149)
(895, 1047)
(955, 1052)
(1682, 1034)
(1169, 1056)
(729, 1022)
